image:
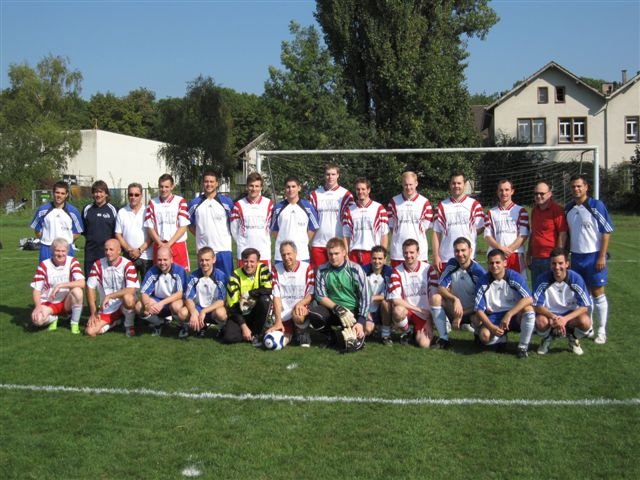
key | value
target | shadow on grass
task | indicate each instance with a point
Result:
(20, 316)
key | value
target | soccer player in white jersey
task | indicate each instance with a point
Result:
(590, 229)
(57, 288)
(293, 283)
(166, 220)
(506, 227)
(161, 294)
(413, 283)
(205, 293)
(365, 224)
(116, 281)
(457, 216)
(57, 219)
(294, 219)
(379, 278)
(457, 292)
(561, 301)
(330, 201)
(251, 220)
(210, 214)
(410, 216)
(503, 303)
(130, 231)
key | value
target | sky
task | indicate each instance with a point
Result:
(119, 46)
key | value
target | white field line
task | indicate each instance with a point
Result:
(594, 402)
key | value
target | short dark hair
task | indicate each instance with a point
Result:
(247, 252)
(254, 177)
(378, 249)
(210, 173)
(206, 249)
(505, 180)
(332, 166)
(579, 176)
(462, 240)
(164, 177)
(61, 184)
(364, 180)
(458, 174)
(559, 251)
(410, 241)
(292, 178)
(497, 252)
(100, 185)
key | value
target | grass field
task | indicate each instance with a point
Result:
(157, 407)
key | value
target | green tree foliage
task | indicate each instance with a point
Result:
(134, 114)
(249, 116)
(403, 64)
(38, 116)
(483, 98)
(198, 132)
(595, 83)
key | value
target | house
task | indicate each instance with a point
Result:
(555, 107)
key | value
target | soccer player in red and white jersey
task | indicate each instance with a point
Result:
(167, 220)
(251, 220)
(330, 201)
(57, 288)
(293, 283)
(506, 227)
(115, 279)
(365, 224)
(413, 283)
(457, 216)
(410, 216)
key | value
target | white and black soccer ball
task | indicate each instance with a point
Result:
(274, 340)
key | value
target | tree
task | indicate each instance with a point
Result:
(198, 132)
(249, 115)
(38, 114)
(135, 114)
(403, 64)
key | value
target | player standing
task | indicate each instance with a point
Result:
(166, 221)
(365, 224)
(410, 216)
(590, 229)
(457, 216)
(130, 231)
(330, 201)
(507, 227)
(99, 220)
(251, 220)
(210, 214)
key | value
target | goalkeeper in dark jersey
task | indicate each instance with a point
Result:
(248, 300)
(343, 298)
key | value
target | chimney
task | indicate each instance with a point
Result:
(624, 76)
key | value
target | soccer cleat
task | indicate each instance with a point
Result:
(543, 349)
(304, 339)
(386, 341)
(75, 329)
(256, 341)
(574, 344)
(156, 331)
(467, 327)
(601, 338)
(522, 352)
(405, 338)
(130, 331)
(183, 331)
(53, 324)
(202, 333)
(442, 344)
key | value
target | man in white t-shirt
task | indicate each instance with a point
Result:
(251, 220)
(330, 201)
(410, 216)
(115, 279)
(457, 216)
(130, 231)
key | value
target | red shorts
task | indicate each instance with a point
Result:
(318, 256)
(56, 308)
(180, 254)
(515, 262)
(418, 323)
(109, 318)
(361, 257)
(288, 327)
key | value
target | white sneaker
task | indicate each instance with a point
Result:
(543, 349)
(467, 327)
(601, 338)
(574, 344)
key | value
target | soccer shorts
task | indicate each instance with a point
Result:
(361, 257)
(180, 254)
(288, 327)
(417, 322)
(109, 318)
(496, 318)
(376, 316)
(318, 256)
(516, 262)
(224, 262)
(585, 265)
(56, 308)
(166, 310)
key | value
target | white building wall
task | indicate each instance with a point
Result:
(625, 103)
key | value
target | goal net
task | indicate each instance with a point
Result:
(483, 168)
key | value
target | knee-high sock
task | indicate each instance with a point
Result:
(601, 308)
(440, 319)
(527, 325)
(76, 311)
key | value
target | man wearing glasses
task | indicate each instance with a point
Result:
(131, 233)
(548, 230)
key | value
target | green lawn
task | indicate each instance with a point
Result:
(137, 433)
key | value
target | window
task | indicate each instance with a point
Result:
(631, 129)
(560, 95)
(532, 130)
(572, 130)
(543, 95)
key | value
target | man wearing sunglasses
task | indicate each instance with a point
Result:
(130, 231)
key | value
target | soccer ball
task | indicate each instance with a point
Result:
(274, 340)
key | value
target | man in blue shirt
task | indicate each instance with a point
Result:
(99, 220)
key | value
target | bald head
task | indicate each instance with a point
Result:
(112, 250)
(164, 258)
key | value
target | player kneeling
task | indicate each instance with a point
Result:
(116, 280)
(379, 278)
(343, 299)
(503, 304)
(204, 298)
(57, 288)
(561, 301)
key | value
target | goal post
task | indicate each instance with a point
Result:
(524, 165)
